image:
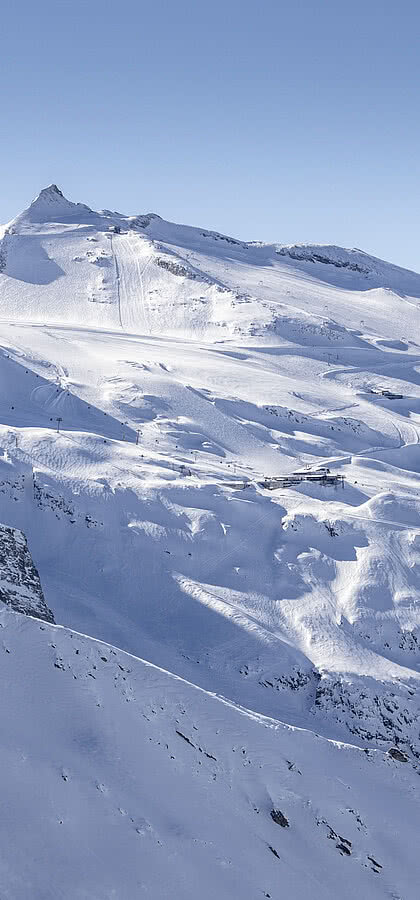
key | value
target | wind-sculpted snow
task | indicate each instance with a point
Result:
(212, 449)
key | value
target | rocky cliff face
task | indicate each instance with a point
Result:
(20, 585)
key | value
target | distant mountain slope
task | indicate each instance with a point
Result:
(60, 262)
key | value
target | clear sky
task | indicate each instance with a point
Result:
(269, 120)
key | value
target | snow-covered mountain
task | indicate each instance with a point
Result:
(212, 449)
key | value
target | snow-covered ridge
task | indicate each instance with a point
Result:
(52, 206)
(355, 260)
(63, 262)
(377, 271)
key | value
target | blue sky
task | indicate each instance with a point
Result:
(271, 120)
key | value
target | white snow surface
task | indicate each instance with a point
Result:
(260, 639)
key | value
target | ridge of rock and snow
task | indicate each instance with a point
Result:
(51, 206)
(157, 382)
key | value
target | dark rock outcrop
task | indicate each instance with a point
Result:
(20, 585)
(278, 817)
(397, 754)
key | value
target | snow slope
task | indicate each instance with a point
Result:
(121, 780)
(184, 370)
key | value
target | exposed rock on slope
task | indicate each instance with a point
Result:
(20, 585)
(376, 715)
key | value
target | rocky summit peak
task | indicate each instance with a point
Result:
(51, 191)
(52, 206)
(52, 194)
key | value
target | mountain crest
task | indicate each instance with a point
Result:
(51, 191)
(52, 206)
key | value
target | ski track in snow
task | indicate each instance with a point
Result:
(134, 311)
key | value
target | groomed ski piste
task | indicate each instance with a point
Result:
(229, 645)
